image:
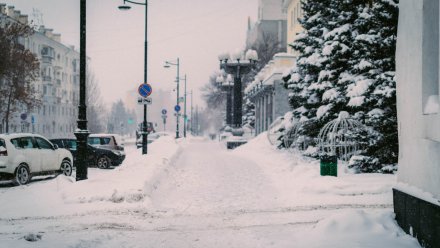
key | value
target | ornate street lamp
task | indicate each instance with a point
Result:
(238, 65)
(227, 85)
(144, 123)
(168, 64)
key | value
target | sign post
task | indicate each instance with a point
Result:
(144, 91)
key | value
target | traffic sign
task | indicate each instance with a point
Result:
(181, 99)
(164, 116)
(164, 111)
(145, 101)
(145, 90)
(177, 108)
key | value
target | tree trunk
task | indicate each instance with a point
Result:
(8, 108)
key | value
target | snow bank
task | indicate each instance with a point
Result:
(299, 178)
(357, 228)
(128, 184)
(356, 209)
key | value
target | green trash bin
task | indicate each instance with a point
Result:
(329, 165)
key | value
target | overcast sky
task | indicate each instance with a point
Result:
(196, 31)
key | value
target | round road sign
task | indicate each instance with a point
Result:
(145, 90)
(177, 108)
(164, 111)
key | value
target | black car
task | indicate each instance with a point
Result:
(96, 157)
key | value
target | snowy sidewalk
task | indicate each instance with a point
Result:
(195, 193)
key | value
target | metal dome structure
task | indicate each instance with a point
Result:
(294, 139)
(273, 132)
(336, 137)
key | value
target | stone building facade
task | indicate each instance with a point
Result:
(268, 93)
(58, 84)
(293, 11)
(271, 23)
(417, 195)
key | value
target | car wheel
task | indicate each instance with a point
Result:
(66, 168)
(103, 162)
(22, 175)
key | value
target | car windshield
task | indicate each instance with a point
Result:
(2, 145)
(71, 144)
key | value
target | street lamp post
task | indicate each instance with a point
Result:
(238, 65)
(227, 85)
(144, 123)
(192, 120)
(184, 110)
(82, 133)
(190, 124)
(177, 64)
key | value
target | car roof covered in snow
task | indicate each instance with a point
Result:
(18, 135)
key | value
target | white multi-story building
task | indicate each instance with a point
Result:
(417, 195)
(58, 84)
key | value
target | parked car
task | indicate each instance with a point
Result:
(151, 137)
(96, 157)
(107, 141)
(25, 155)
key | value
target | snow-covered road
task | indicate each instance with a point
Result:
(196, 193)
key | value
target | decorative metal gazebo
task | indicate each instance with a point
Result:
(273, 132)
(337, 138)
(293, 137)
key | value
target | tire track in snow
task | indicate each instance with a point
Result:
(164, 214)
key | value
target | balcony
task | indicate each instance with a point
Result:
(46, 60)
(47, 79)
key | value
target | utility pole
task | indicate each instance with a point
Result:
(184, 112)
(192, 120)
(197, 122)
(177, 113)
(177, 64)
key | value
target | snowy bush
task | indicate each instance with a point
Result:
(364, 164)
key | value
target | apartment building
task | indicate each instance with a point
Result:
(58, 83)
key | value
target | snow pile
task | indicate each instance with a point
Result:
(129, 183)
(355, 210)
(357, 228)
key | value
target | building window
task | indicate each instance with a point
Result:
(292, 20)
(430, 60)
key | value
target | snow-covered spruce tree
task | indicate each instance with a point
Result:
(310, 63)
(248, 112)
(373, 92)
(346, 63)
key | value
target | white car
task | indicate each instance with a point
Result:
(25, 155)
